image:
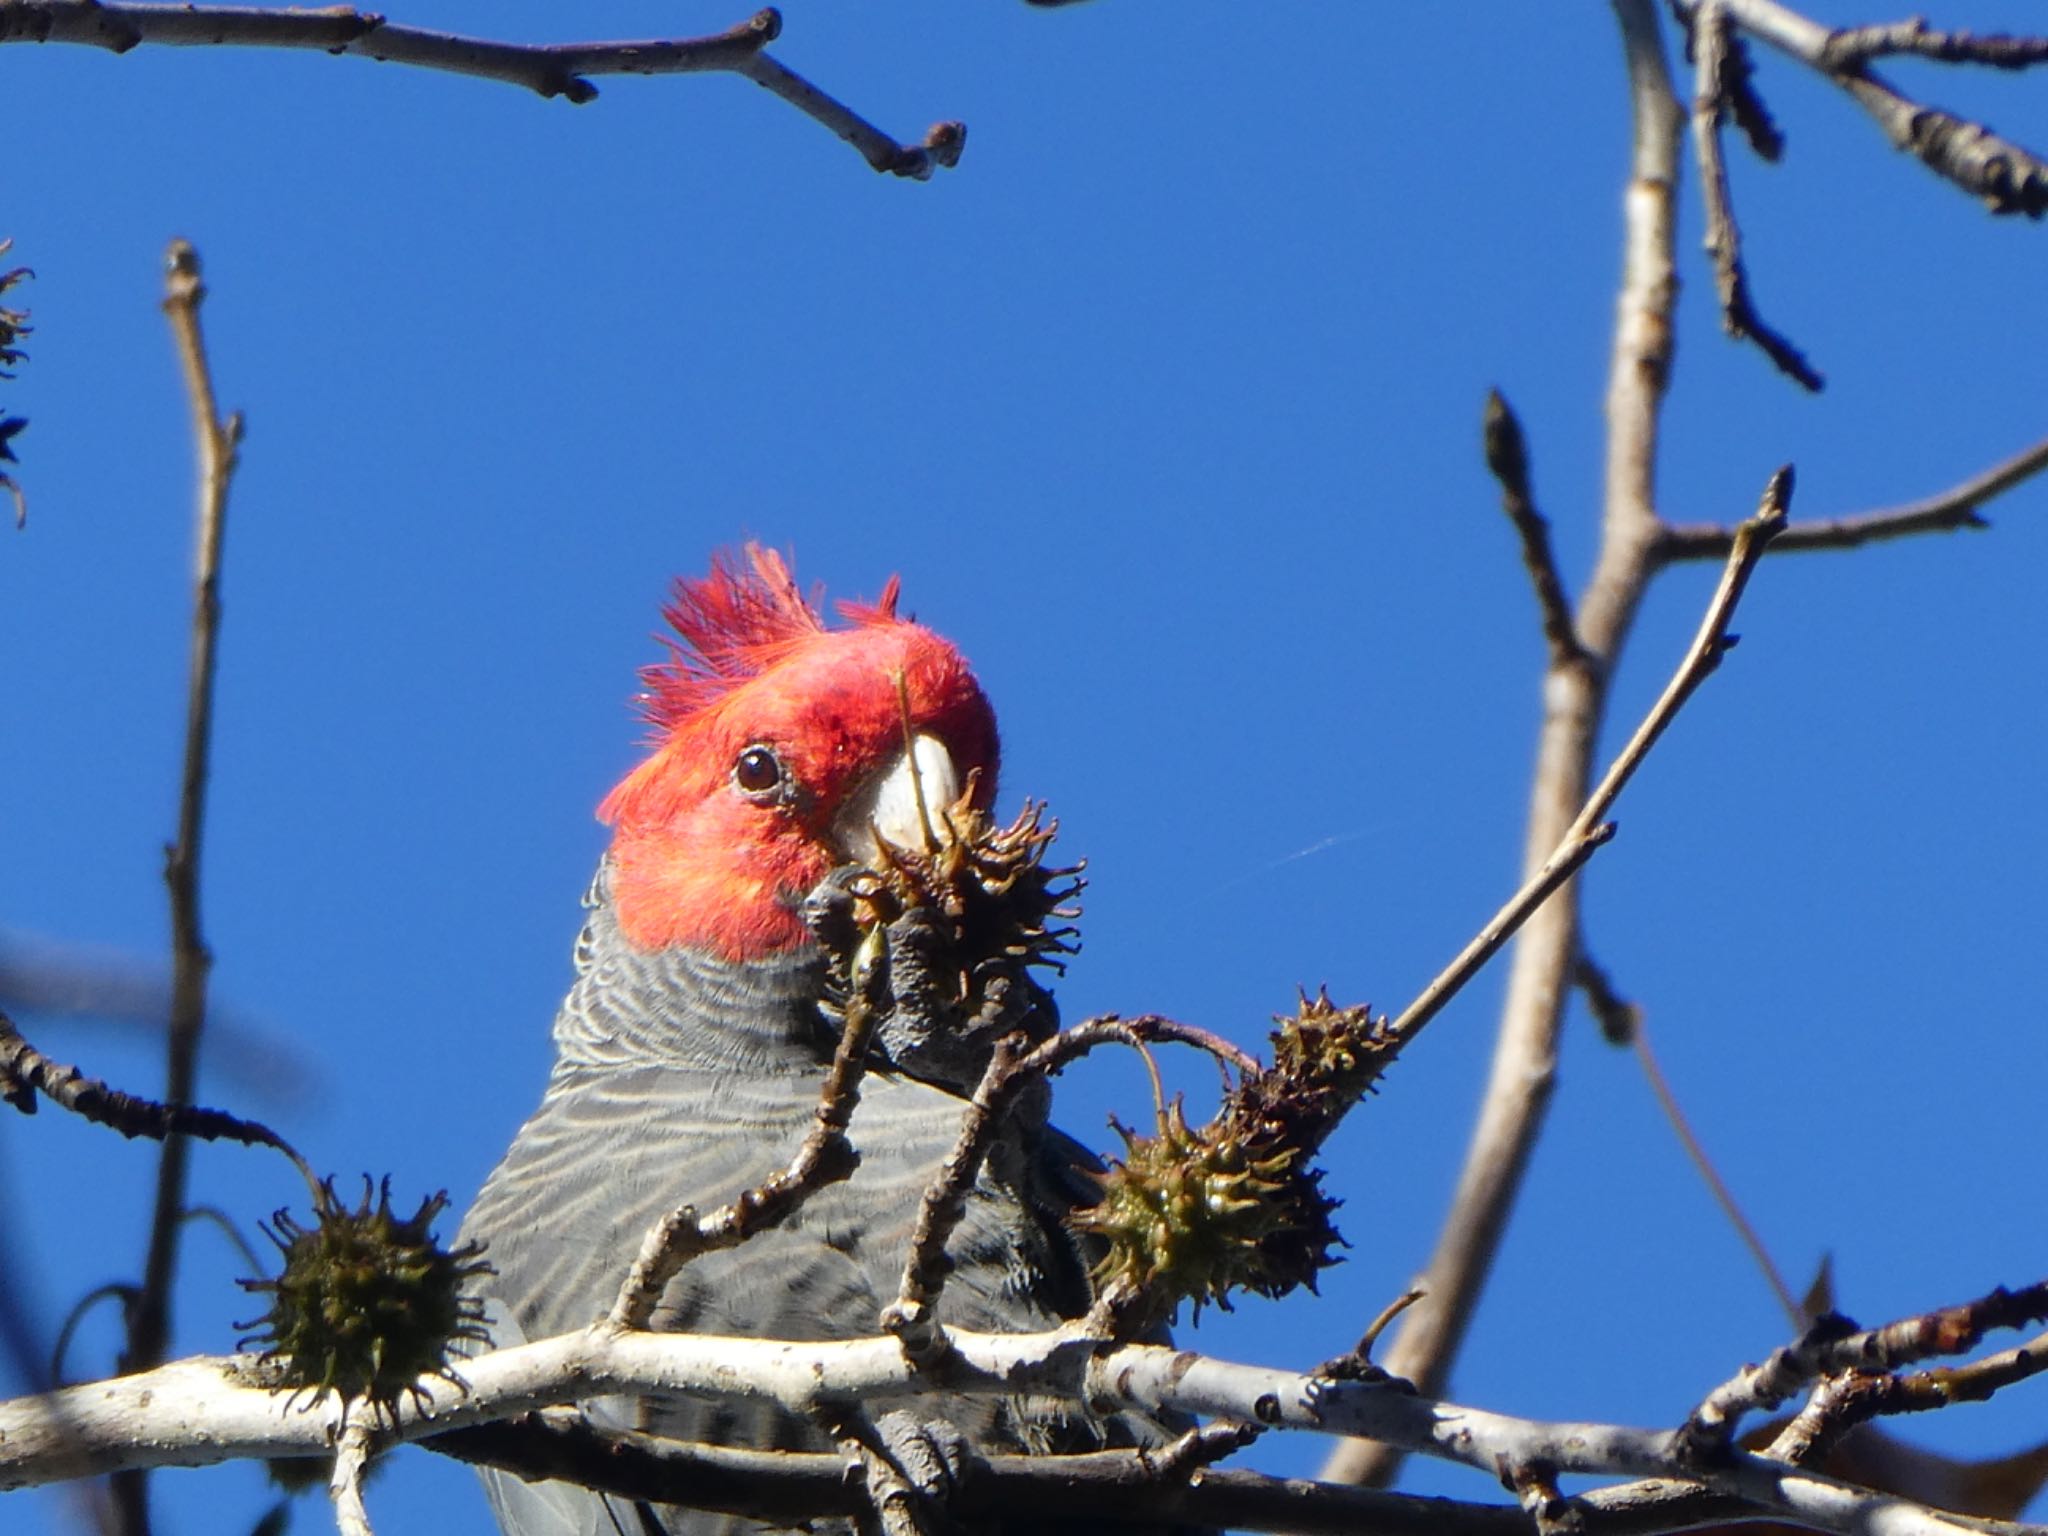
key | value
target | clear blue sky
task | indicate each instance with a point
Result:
(1165, 405)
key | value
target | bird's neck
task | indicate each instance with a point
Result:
(685, 1007)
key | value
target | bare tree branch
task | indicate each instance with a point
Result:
(26, 1071)
(1587, 832)
(1129, 1488)
(1618, 1018)
(1712, 95)
(1738, 87)
(1524, 1064)
(1848, 47)
(1638, 1040)
(1575, 700)
(351, 1466)
(910, 1317)
(149, 1322)
(2006, 176)
(1842, 1402)
(551, 69)
(1507, 457)
(1949, 510)
(1833, 1345)
(196, 1412)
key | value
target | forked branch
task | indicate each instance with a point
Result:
(2006, 177)
(1588, 830)
(1944, 512)
(1722, 81)
(550, 69)
(217, 440)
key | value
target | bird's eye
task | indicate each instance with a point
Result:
(758, 771)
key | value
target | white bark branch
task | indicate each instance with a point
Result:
(351, 1465)
(206, 1410)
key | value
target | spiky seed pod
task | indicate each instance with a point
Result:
(368, 1302)
(1325, 1059)
(960, 925)
(1196, 1214)
(997, 903)
(1236, 1205)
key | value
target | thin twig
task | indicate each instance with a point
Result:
(1507, 456)
(911, 1317)
(825, 1157)
(1356, 1363)
(1199, 1448)
(1710, 644)
(1949, 510)
(1588, 831)
(1836, 1406)
(108, 985)
(1617, 1017)
(890, 1498)
(1621, 1023)
(942, 143)
(2007, 177)
(1534, 1483)
(113, 1290)
(351, 1465)
(1848, 47)
(26, 1071)
(551, 69)
(217, 441)
(1834, 1345)
(1714, 74)
(1579, 845)
(1639, 1039)
(1738, 88)
(219, 1219)
(1842, 1402)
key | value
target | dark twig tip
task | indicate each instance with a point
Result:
(944, 142)
(1777, 497)
(1506, 450)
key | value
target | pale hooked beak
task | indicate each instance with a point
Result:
(905, 803)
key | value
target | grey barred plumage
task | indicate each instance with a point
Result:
(683, 1078)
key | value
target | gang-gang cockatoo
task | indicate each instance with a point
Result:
(691, 1049)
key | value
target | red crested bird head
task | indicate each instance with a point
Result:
(783, 747)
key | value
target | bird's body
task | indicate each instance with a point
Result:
(692, 1048)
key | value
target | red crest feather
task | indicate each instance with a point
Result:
(732, 625)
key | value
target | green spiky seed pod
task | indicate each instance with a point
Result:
(368, 1302)
(1196, 1214)
(1325, 1059)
